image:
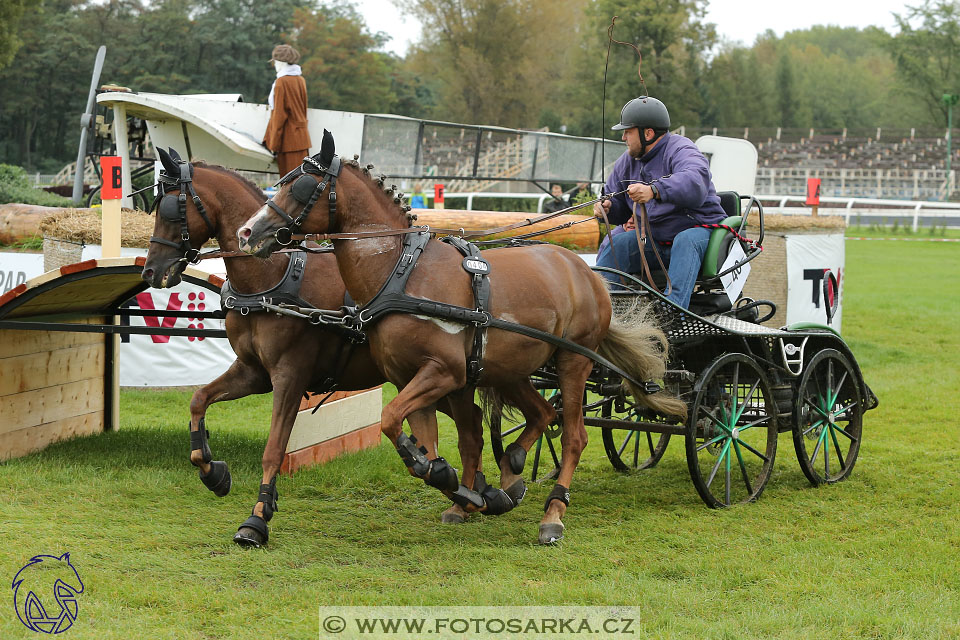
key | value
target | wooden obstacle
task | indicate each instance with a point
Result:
(584, 236)
(59, 366)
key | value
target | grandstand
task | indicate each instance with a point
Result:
(906, 164)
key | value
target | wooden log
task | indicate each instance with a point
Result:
(21, 221)
(584, 236)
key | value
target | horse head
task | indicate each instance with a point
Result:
(297, 206)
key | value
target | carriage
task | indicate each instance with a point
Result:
(744, 383)
(566, 356)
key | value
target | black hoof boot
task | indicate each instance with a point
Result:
(442, 475)
(218, 478)
(516, 456)
(517, 491)
(254, 532)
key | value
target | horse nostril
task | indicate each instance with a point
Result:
(245, 233)
(147, 274)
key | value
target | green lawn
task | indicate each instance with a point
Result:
(877, 556)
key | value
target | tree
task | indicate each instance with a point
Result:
(341, 63)
(928, 54)
(672, 39)
(786, 91)
(11, 11)
(494, 61)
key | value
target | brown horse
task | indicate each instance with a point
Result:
(543, 287)
(274, 352)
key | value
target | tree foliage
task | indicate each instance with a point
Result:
(927, 52)
(516, 63)
(11, 11)
(497, 61)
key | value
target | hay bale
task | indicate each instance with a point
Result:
(83, 226)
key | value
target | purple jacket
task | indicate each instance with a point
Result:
(682, 176)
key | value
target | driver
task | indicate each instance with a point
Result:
(668, 173)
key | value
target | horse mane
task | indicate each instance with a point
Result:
(391, 192)
(249, 184)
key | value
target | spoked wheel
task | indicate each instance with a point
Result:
(828, 418)
(731, 436)
(501, 437)
(632, 450)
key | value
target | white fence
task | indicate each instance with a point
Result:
(869, 210)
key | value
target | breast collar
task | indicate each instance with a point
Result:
(285, 291)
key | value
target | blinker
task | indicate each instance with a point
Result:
(303, 188)
(169, 209)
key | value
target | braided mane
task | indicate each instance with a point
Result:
(390, 192)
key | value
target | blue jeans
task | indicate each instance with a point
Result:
(684, 259)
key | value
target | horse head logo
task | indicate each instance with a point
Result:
(35, 580)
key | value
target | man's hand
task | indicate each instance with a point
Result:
(601, 208)
(640, 193)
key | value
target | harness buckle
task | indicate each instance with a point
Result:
(229, 301)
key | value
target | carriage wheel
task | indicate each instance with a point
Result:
(628, 449)
(828, 418)
(731, 436)
(500, 438)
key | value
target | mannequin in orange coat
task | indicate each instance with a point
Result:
(287, 136)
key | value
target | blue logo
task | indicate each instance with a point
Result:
(35, 581)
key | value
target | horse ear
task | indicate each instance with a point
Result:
(327, 150)
(173, 154)
(169, 165)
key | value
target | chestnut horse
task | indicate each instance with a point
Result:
(286, 355)
(543, 287)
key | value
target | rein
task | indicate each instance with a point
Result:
(479, 233)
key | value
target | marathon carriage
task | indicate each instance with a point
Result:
(743, 382)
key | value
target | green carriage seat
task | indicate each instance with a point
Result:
(722, 240)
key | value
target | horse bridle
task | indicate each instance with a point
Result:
(306, 190)
(173, 209)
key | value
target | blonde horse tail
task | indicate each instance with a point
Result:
(641, 349)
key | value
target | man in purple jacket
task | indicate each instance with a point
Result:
(670, 175)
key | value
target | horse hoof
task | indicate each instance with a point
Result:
(517, 491)
(551, 532)
(247, 537)
(218, 479)
(452, 517)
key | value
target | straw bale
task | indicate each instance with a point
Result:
(780, 222)
(83, 225)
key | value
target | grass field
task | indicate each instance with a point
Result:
(877, 556)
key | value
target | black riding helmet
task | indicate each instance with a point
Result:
(644, 112)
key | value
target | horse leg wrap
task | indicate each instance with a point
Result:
(198, 440)
(413, 456)
(268, 496)
(442, 475)
(560, 493)
(516, 456)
